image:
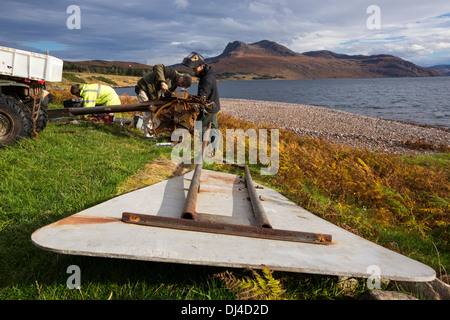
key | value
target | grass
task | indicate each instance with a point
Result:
(71, 167)
(68, 168)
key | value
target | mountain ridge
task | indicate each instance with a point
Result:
(442, 68)
(267, 59)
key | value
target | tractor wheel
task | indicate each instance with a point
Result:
(15, 120)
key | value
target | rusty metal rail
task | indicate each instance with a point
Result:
(225, 228)
(177, 97)
(258, 210)
(68, 112)
(189, 211)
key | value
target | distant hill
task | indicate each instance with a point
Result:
(442, 68)
(267, 59)
(102, 63)
(108, 67)
(333, 55)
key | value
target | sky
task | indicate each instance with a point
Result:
(154, 31)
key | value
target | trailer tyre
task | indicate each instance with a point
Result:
(15, 121)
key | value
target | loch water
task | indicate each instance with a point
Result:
(416, 100)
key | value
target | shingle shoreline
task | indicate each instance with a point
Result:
(343, 128)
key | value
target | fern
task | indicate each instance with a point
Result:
(258, 287)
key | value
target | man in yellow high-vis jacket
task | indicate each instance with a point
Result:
(95, 94)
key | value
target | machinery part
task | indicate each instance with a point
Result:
(32, 95)
(15, 120)
(225, 228)
(38, 113)
(42, 116)
(70, 112)
(72, 103)
(179, 110)
(25, 74)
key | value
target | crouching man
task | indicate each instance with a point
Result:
(154, 86)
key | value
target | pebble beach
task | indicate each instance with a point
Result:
(342, 128)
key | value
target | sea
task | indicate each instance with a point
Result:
(424, 100)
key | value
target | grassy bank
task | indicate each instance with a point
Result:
(401, 203)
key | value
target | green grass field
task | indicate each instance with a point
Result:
(71, 167)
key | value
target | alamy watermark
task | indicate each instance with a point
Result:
(74, 20)
(374, 21)
(258, 147)
(73, 281)
(374, 281)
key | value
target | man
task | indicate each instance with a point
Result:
(155, 85)
(95, 95)
(207, 88)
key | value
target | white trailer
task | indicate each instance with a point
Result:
(30, 65)
(23, 98)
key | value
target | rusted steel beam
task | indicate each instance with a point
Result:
(226, 228)
(67, 112)
(190, 204)
(176, 97)
(258, 210)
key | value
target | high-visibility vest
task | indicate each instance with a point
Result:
(98, 95)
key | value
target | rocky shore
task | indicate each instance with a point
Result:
(343, 128)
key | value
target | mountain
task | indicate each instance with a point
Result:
(442, 68)
(262, 48)
(382, 64)
(268, 59)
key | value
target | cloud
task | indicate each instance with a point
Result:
(412, 41)
(165, 31)
(181, 3)
(231, 25)
(259, 7)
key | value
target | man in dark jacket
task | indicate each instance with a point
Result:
(154, 85)
(207, 87)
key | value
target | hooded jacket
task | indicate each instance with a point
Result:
(207, 87)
